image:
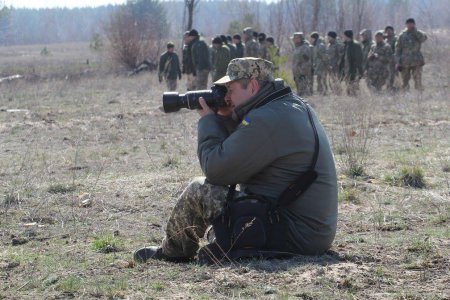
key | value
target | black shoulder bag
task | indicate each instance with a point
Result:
(251, 226)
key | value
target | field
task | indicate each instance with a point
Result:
(90, 168)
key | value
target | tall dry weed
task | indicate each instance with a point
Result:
(354, 136)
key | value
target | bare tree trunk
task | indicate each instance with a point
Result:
(296, 14)
(315, 19)
(359, 10)
(183, 24)
(341, 16)
(190, 5)
(277, 24)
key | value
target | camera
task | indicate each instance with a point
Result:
(215, 98)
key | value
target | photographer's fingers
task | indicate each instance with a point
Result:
(203, 104)
(206, 110)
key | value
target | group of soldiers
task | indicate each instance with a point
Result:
(200, 60)
(315, 61)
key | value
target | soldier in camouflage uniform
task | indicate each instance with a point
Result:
(302, 64)
(262, 46)
(366, 45)
(251, 46)
(220, 59)
(335, 51)
(408, 57)
(379, 57)
(239, 46)
(391, 40)
(262, 142)
(320, 62)
(228, 42)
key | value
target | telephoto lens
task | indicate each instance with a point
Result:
(215, 98)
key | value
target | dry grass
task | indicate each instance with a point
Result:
(104, 138)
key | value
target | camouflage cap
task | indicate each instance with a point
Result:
(248, 31)
(380, 33)
(299, 34)
(249, 68)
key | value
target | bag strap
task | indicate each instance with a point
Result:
(231, 193)
(304, 180)
(316, 137)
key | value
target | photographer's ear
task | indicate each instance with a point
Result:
(254, 84)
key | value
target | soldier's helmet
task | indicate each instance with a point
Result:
(248, 31)
(379, 33)
(366, 34)
(298, 34)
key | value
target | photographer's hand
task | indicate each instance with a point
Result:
(206, 110)
(226, 111)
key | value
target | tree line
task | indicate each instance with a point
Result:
(210, 17)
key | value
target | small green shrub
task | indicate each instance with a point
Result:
(96, 43)
(408, 176)
(10, 199)
(158, 286)
(412, 177)
(70, 284)
(105, 244)
(349, 195)
(45, 52)
(421, 246)
(390, 179)
(355, 171)
(171, 161)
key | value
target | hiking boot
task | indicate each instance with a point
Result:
(144, 254)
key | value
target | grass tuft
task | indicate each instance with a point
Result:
(355, 171)
(350, 195)
(421, 246)
(171, 161)
(106, 244)
(158, 286)
(408, 176)
(412, 177)
(70, 284)
(11, 199)
(60, 188)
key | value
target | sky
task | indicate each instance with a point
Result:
(58, 3)
(61, 3)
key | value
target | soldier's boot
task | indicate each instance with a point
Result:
(153, 252)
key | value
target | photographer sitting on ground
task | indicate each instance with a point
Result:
(262, 141)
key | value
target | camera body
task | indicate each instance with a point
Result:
(215, 98)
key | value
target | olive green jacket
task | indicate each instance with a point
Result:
(270, 147)
(220, 59)
(407, 48)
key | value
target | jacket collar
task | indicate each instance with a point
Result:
(268, 93)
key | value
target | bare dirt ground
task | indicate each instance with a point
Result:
(90, 169)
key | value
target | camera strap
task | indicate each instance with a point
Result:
(304, 180)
